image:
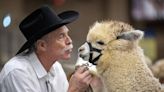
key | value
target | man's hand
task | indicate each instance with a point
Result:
(80, 80)
(97, 84)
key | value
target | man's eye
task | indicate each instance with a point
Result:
(61, 35)
(100, 43)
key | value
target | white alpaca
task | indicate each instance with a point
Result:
(113, 48)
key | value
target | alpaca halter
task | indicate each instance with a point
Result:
(92, 49)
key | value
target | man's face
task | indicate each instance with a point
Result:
(59, 44)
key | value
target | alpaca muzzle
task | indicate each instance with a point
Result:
(94, 54)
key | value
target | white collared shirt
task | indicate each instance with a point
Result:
(26, 74)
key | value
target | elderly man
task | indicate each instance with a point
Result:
(35, 67)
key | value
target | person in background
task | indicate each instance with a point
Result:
(35, 67)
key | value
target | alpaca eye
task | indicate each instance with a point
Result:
(118, 37)
(100, 43)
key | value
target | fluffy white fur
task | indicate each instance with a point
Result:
(121, 65)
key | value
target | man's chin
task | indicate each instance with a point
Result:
(67, 57)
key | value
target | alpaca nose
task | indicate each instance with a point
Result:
(81, 49)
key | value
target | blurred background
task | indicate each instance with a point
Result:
(146, 15)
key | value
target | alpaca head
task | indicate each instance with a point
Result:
(106, 36)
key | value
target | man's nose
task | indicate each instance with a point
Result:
(69, 40)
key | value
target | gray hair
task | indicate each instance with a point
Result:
(30, 50)
(33, 47)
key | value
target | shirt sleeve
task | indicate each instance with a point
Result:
(19, 81)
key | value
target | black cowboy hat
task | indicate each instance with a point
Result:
(42, 21)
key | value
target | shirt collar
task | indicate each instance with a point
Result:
(37, 66)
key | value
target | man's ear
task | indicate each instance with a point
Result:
(133, 35)
(41, 45)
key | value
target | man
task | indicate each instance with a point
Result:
(35, 68)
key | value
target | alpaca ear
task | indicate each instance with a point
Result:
(132, 35)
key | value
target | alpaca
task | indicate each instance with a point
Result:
(112, 46)
(158, 70)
